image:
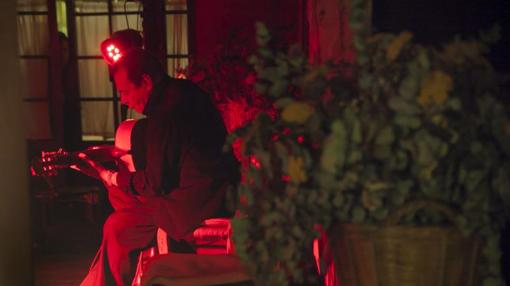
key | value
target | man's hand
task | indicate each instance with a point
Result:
(109, 177)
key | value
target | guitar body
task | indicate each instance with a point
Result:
(132, 150)
(123, 142)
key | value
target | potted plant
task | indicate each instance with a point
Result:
(409, 133)
(229, 79)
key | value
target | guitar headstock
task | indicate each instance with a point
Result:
(50, 162)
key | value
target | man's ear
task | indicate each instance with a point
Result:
(147, 82)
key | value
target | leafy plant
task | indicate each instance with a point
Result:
(282, 204)
(230, 80)
(352, 143)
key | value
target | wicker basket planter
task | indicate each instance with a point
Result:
(394, 255)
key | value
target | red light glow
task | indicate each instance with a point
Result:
(111, 52)
(255, 162)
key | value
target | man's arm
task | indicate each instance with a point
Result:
(95, 170)
(200, 193)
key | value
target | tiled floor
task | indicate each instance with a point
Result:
(64, 256)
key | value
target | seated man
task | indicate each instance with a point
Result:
(183, 177)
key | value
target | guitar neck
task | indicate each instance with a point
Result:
(50, 162)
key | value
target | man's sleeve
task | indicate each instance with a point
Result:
(137, 183)
(200, 194)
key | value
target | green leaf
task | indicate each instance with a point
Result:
(386, 136)
(476, 147)
(253, 60)
(261, 88)
(423, 59)
(297, 62)
(335, 147)
(278, 88)
(297, 231)
(363, 59)
(400, 160)
(326, 180)
(462, 174)
(492, 281)
(400, 105)
(270, 74)
(366, 81)
(265, 53)
(382, 152)
(338, 200)
(283, 68)
(267, 219)
(408, 88)
(381, 213)
(356, 135)
(454, 103)
(358, 214)
(354, 156)
(409, 121)
(398, 198)
(473, 179)
(283, 101)
(404, 186)
(262, 32)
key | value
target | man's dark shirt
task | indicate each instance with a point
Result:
(185, 174)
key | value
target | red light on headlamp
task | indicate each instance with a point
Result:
(113, 53)
(113, 48)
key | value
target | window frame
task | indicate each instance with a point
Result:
(120, 113)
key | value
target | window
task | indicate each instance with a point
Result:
(33, 47)
(177, 44)
(96, 20)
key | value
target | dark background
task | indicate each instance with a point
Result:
(435, 21)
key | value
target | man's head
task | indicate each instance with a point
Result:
(135, 75)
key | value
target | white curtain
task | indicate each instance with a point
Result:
(97, 117)
(177, 36)
(33, 40)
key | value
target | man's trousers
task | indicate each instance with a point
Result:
(129, 229)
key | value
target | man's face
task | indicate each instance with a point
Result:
(135, 97)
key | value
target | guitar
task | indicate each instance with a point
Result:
(50, 162)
